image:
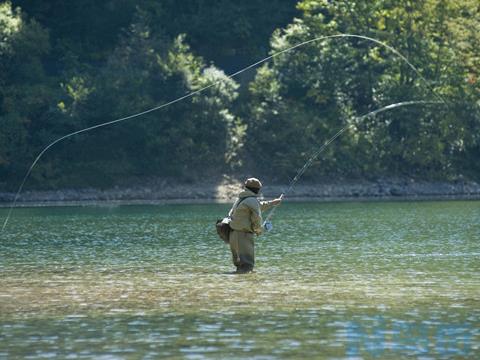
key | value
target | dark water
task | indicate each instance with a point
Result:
(347, 280)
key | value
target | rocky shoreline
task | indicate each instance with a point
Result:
(225, 191)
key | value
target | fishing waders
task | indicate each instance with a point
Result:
(242, 246)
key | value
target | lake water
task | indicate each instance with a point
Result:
(333, 280)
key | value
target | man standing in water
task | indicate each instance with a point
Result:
(246, 215)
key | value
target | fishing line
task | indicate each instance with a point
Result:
(312, 158)
(192, 93)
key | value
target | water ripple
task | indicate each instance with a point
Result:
(342, 280)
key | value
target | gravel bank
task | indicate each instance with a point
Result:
(162, 192)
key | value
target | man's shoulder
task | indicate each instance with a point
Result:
(251, 201)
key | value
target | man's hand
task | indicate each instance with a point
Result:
(277, 201)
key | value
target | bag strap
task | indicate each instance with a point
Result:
(239, 202)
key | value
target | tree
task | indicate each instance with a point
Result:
(304, 96)
(145, 70)
(26, 114)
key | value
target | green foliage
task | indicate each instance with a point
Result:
(60, 73)
(145, 70)
(25, 93)
(304, 96)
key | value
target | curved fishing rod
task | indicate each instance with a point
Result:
(301, 171)
(192, 93)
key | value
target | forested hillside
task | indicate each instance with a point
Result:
(67, 65)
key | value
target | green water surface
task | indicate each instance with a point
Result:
(333, 280)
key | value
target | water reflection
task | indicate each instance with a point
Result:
(305, 332)
(338, 280)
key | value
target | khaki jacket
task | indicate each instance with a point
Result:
(247, 216)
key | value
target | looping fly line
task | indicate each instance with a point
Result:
(317, 152)
(192, 93)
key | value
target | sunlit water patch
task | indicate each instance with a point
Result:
(339, 280)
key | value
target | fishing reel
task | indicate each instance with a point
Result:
(267, 225)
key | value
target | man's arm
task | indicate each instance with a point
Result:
(265, 205)
(256, 218)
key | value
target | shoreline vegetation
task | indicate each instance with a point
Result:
(289, 92)
(162, 192)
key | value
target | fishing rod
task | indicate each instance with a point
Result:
(198, 91)
(267, 223)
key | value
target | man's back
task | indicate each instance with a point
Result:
(246, 214)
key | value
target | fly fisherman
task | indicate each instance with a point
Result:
(246, 215)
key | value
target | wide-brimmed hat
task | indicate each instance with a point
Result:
(253, 183)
